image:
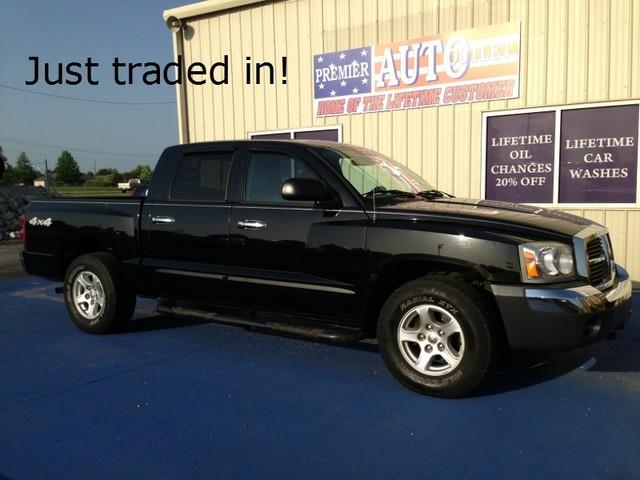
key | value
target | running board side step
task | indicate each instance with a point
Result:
(317, 332)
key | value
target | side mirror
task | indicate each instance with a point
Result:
(305, 190)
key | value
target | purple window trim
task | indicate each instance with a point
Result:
(271, 136)
(331, 134)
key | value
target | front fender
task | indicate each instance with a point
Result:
(493, 256)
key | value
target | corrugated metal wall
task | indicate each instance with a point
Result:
(572, 51)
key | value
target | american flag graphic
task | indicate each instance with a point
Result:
(347, 72)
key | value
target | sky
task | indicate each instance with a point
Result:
(118, 136)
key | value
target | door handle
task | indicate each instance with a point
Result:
(162, 220)
(252, 225)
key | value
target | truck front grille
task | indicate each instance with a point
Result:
(598, 258)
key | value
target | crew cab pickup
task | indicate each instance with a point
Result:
(339, 243)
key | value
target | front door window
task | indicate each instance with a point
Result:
(267, 172)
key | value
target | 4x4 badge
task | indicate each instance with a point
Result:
(40, 222)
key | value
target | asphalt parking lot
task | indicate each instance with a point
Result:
(182, 399)
(10, 261)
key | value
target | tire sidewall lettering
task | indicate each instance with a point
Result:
(71, 278)
(428, 299)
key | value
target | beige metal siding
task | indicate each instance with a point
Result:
(572, 51)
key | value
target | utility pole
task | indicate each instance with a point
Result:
(46, 175)
(95, 170)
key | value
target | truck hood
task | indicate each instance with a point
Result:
(515, 214)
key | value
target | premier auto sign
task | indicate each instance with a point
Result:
(465, 66)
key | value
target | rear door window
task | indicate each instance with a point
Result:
(202, 177)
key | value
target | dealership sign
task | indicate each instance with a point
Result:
(520, 157)
(599, 155)
(563, 155)
(465, 66)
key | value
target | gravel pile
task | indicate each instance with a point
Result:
(12, 202)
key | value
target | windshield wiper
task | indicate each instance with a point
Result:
(426, 194)
(380, 190)
(431, 194)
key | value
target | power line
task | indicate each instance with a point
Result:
(96, 152)
(46, 151)
(90, 100)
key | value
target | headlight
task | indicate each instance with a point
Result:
(541, 261)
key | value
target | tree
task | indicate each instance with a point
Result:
(24, 171)
(132, 174)
(67, 170)
(9, 176)
(104, 171)
(114, 178)
(3, 163)
(144, 173)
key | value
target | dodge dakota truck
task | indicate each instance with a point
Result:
(339, 243)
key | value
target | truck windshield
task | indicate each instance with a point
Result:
(371, 172)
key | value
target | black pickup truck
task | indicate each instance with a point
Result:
(335, 242)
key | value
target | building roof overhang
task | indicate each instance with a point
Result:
(204, 8)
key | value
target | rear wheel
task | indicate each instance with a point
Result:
(97, 300)
(436, 336)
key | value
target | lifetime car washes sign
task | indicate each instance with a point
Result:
(563, 155)
(465, 66)
(599, 155)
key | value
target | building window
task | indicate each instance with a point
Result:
(568, 155)
(331, 134)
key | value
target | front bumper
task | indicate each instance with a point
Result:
(538, 317)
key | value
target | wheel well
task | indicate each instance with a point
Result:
(77, 251)
(403, 272)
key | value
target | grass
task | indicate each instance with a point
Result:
(88, 191)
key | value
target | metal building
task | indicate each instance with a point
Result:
(579, 69)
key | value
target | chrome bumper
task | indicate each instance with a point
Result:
(562, 318)
(584, 299)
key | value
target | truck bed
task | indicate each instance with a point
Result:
(80, 225)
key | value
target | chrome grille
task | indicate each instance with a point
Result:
(598, 255)
(594, 256)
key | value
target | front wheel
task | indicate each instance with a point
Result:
(436, 336)
(97, 299)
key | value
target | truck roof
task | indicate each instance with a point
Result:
(316, 143)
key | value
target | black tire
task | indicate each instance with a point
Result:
(119, 301)
(450, 294)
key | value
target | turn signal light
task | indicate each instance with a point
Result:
(530, 264)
